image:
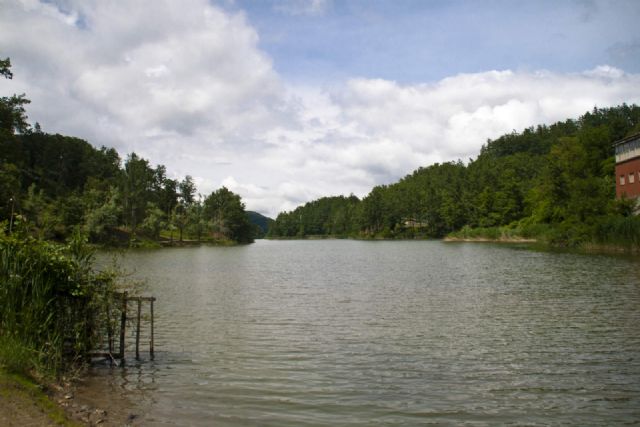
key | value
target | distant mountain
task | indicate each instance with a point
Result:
(260, 222)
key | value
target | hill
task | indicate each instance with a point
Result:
(554, 182)
(260, 223)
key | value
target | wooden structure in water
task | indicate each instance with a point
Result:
(121, 331)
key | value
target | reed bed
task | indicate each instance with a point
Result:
(51, 303)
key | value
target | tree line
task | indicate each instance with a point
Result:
(550, 181)
(51, 184)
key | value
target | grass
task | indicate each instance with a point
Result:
(509, 233)
(15, 357)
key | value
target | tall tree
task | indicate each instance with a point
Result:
(227, 216)
(186, 199)
(138, 179)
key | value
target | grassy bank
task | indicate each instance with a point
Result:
(24, 402)
(614, 234)
(515, 233)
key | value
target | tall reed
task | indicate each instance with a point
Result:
(621, 231)
(49, 297)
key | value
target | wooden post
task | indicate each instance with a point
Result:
(123, 323)
(138, 331)
(151, 344)
(109, 330)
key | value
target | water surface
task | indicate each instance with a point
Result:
(353, 333)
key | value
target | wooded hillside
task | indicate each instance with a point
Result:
(556, 181)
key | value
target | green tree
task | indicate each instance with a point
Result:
(103, 211)
(154, 221)
(186, 199)
(227, 217)
(13, 116)
(138, 179)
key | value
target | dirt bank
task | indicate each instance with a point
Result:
(24, 403)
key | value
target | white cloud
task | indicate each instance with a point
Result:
(186, 85)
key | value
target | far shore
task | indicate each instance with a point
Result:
(488, 240)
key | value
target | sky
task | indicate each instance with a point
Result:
(287, 101)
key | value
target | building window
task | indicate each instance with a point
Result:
(621, 179)
(632, 178)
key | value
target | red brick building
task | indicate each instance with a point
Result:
(628, 167)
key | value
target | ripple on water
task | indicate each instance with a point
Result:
(388, 333)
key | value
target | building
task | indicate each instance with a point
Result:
(628, 167)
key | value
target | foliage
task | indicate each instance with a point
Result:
(50, 298)
(226, 216)
(552, 183)
(327, 216)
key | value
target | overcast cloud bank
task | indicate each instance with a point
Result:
(185, 84)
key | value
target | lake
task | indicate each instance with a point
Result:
(361, 333)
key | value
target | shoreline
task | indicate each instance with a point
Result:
(24, 401)
(490, 240)
(584, 248)
(27, 401)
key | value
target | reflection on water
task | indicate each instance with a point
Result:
(385, 333)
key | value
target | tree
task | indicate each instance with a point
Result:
(186, 198)
(138, 179)
(39, 213)
(154, 220)
(196, 220)
(227, 217)
(13, 116)
(5, 68)
(9, 188)
(102, 216)
(187, 191)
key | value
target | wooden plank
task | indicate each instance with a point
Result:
(121, 294)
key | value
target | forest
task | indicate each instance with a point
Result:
(52, 184)
(553, 183)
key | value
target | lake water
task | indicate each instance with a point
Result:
(358, 333)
